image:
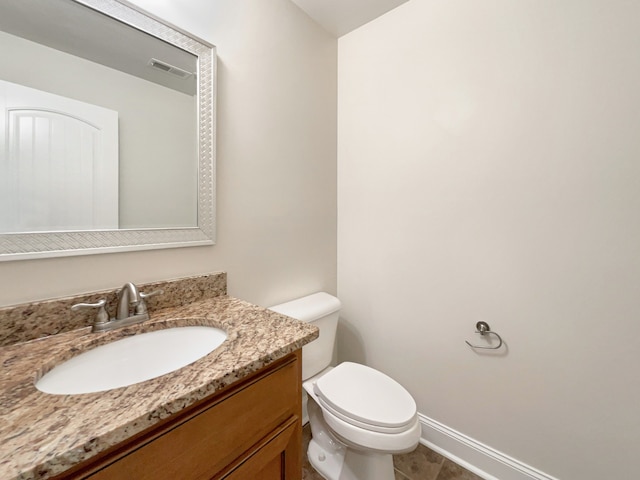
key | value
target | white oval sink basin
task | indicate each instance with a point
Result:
(131, 360)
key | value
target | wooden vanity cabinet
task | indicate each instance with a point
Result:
(249, 431)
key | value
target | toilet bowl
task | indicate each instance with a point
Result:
(359, 417)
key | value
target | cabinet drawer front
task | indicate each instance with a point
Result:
(205, 444)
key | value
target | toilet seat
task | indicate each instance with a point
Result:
(364, 439)
(366, 398)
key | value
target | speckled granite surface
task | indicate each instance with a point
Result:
(42, 435)
(26, 322)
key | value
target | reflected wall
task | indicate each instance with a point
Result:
(157, 129)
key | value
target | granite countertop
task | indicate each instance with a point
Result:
(42, 435)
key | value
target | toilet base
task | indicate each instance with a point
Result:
(333, 460)
(327, 464)
(348, 464)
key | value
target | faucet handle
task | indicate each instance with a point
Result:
(151, 294)
(102, 316)
(141, 307)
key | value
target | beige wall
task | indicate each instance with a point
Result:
(488, 169)
(276, 158)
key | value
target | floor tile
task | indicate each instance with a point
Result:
(452, 471)
(421, 464)
(400, 476)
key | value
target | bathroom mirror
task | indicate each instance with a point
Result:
(107, 130)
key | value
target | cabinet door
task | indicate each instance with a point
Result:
(208, 443)
(277, 458)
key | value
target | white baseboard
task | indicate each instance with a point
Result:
(476, 457)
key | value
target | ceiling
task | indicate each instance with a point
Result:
(342, 16)
(73, 28)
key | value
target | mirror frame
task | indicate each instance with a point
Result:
(18, 246)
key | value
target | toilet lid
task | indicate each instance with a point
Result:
(364, 394)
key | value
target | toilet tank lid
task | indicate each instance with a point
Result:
(309, 308)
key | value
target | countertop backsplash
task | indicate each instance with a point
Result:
(31, 321)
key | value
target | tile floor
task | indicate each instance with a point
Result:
(421, 464)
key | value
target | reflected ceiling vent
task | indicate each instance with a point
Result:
(165, 67)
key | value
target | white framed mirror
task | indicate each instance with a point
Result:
(107, 130)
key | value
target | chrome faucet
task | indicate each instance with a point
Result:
(128, 297)
(131, 309)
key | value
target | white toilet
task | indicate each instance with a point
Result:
(359, 416)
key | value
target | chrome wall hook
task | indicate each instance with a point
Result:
(483, 328)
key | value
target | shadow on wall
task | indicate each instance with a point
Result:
(350, 346)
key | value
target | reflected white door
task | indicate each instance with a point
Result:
(59, 165)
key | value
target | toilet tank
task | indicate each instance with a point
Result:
(322, 310)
